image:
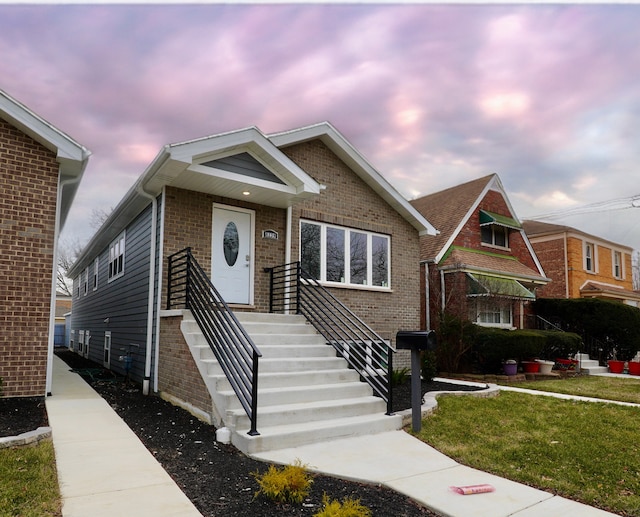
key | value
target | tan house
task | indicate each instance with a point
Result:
(481, 265)
(582, 265)
(40, 170)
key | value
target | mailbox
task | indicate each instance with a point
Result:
(416, 340)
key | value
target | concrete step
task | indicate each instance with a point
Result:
(288, 414)
(294, 435)
(295, 380)
(594, 370)
(302, 394)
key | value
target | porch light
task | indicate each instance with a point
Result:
(246, 193)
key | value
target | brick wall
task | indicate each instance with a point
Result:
(29, 183)
(348, 201)
(550, 253)
(178, 374)
(188, 222)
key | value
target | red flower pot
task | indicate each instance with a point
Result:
(616, 366)
(530, 366)
(634, 368)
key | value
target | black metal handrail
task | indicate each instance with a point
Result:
(189, 287)
(295, 291)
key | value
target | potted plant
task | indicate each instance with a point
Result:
(634, 365)
(615, 366)
(510, 367)
(531, 366)
(545, 366)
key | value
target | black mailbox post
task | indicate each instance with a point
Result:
(416, 341)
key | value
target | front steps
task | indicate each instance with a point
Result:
(589, 366)
(305, 393)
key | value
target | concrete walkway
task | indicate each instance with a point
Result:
(405, 464)
(104, 470)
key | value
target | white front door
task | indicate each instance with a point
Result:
(232, 253)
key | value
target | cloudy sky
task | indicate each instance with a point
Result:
(547, 96)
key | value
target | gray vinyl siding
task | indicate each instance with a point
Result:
(119, 306)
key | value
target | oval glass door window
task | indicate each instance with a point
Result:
(231, 243)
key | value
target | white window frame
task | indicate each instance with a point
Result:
(80, 342)
(85, 281)
(96, 264)
(117, 257)
(617, 264)
(87, 339)
(503, 230)
(72, 334)
(106, 355)
(590, 257)
(348, 232)
(486, 307)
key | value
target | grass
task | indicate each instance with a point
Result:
(583, 451)
(608, 388)
(29, 482)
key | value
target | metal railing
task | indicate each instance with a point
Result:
(189, 287)
(292, 290)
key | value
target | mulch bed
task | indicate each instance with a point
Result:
(217, 478)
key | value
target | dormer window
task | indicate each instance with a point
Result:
(495, 228)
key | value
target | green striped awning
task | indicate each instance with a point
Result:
(501, 220)
(483, 285)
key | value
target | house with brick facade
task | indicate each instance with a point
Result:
(582, 265)
(241, 205)
(40, 170)
(481, 265)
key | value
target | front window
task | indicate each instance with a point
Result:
(345, 256)
(617, 264)
(116, 258)
(495, 235)
(492, 313)
(96, 263)
(589, 256)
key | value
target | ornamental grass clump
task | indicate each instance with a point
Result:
(347, 508)
(289, 484)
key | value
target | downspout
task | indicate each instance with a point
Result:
(287, 250)
(442, 293)
(566, 267)
(159, 298)
(52, 307)
(427, 307)
(152, 288)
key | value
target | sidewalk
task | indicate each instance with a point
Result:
(104, 470)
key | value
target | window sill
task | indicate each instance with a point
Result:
(495, 247)
(356, 287)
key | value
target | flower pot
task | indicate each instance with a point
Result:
(634, 368)
(616, 366)
(530, 366)
(510, 368)
(545, 366)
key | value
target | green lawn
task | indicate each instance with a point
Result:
(29, 482)
(588, 452)
(608, 388)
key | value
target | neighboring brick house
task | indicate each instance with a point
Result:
(268, 189)
(582, 265)
(481, 265)
(40, 169)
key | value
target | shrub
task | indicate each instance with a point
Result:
(455, 341)
(613, 324)
(399, 376)
(289, 484)
(429, 366)
(348, 508)
(560, 344)
(493, 346)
